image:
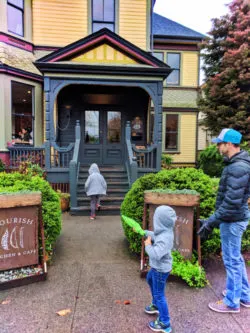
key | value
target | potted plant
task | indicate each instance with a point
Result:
(65, 200)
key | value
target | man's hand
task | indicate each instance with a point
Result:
(148, 241)
(204, 230)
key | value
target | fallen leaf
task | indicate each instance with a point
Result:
(126, 302)
(6, 301)
(63, 312)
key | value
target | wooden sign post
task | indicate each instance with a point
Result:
(21, 228)
(184, 205)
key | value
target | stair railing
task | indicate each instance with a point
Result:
(131, 164)
(74, 167)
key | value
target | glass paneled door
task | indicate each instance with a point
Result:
(103, 138)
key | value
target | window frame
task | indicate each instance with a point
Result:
(173, 150)
(178, 70)
(21, 115)
(102, 21)
(20, 9)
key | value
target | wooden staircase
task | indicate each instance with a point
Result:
(117, 186)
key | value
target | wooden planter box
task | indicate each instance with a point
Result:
(171, 199)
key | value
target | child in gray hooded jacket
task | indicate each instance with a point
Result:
(95, 186)
(158, 246)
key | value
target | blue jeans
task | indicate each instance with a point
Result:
(237, 284)
(157, 283)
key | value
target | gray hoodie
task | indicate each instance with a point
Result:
(95, 184)
(159, 252)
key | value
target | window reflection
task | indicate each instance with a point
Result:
(103, 14)
(92, 127)
(114, 127)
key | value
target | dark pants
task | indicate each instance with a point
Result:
(94, 200)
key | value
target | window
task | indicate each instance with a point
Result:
(15, 14)
(159, 55)
(173, 60)
(103, 15)
(171, 132)
(22, 113)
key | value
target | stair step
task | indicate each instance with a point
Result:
(105, 210)
(103, 199)
(109, 191)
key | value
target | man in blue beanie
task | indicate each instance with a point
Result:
(232, 216)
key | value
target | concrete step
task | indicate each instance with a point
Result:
(105, 210)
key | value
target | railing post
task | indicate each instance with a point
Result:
(158, 156)
(78, 130)
(47, 154)
(128, 131)
(73, 183)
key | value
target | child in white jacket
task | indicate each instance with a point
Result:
(95, 186)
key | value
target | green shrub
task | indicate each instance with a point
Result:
(51, 211)
(211, 162)
(166, 161)
(173, 179)
(2, 165)
(189, 270)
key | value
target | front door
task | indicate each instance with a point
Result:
(102, 137)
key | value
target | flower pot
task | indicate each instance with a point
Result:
(64, 204)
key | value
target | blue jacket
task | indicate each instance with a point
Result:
(159, 252)
(95, 184)
(234, 190)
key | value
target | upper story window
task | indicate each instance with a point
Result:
(15, 16)
(103, 15)
(174, 60)
(159, 55)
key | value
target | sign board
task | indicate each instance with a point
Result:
(183, 231)
(21, 236)
(184, 205)
(18, 237)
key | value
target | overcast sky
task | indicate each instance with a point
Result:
(194, 14)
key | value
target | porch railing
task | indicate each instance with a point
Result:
(60, 157)
(131, 164)
(146, 157)
(74, 167)
(21, 153)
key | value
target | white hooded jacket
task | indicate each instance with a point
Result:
(95, 184)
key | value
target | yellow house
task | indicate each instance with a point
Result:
(100, 81)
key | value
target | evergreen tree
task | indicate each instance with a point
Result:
(225, 98)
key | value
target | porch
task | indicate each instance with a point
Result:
(64, 169)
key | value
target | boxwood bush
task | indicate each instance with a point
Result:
(51, 211)
(173, 179)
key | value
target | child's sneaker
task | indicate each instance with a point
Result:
(92, 217)
(157, 326)
(151, 309)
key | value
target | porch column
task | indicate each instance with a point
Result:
(157, 100)
(47, 92)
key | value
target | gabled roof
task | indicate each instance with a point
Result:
(167, 28)
(88, 56)
(101, 37)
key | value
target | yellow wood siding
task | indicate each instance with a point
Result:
(189, 70)
(104, 54)
(59, 22)
(133, 21)
(187, 137)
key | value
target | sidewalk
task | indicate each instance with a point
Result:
(93, 274)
